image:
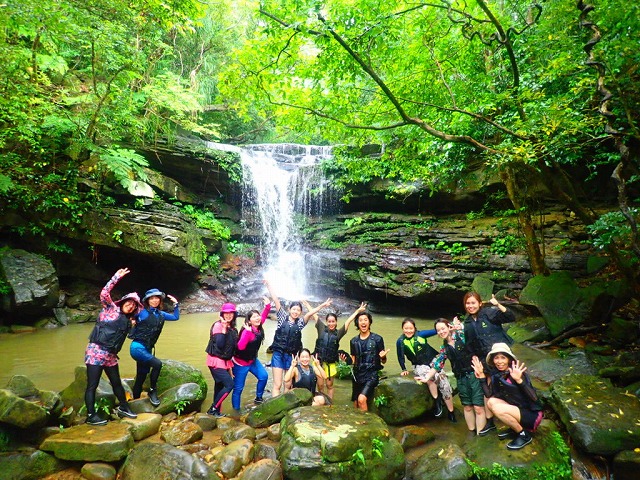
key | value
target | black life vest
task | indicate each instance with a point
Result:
(306, 380)
(230, 343)
(250, 353)
(148, 331)
(418, 350)
(288, 338)
(460, 357)
(111, 335)
(486, 331)
(367, 356)
(511, 392)
(327, 345)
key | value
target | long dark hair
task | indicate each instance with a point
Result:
(247, 318)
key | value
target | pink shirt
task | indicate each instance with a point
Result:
(216, 362)
(246, 336)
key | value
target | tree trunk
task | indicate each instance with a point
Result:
(536, 259)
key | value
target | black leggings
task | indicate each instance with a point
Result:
(142, 369)
(223, 385)
(94, 372)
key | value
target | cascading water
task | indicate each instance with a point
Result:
(283, 185)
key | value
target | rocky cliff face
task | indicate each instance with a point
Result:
(427, 259)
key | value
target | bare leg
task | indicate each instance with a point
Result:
(487, 410)
(470, 418)
(433, 388)
(506, 413)
(361, 404)
(329, 384)
(278, 373)
(449, 403)
(481, 419)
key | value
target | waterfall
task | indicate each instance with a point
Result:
(283, 187)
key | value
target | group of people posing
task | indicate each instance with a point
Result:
(490, 379)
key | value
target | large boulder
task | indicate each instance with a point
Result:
(159, 461)
(559, 299)
(183, 432)
(21, 413)
(175, 373)
(564, 304)
(274, 409)
(442, 462)
(182, 399)
(43, 404)
(33, 282)
(108, 443)
(548, 453)
(28, 464)
(600, 418)
(402, 399)
(232, 458)
(329, 443)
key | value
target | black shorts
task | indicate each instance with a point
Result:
(365, 388)
(530, 419)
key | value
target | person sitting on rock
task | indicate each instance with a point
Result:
(510, 395)
(413, 345)
(304, 373)
(106, 340)
(145, 334)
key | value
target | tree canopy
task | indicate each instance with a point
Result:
(513, 85)
(539, 93)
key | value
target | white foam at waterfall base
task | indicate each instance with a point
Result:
(278, 185)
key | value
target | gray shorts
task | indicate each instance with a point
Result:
(421, 371)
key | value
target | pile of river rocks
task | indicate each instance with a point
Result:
(42, 433)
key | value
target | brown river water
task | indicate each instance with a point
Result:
(49, 357)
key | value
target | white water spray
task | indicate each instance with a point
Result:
(283, 186)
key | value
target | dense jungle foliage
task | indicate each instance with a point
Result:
(539, 93)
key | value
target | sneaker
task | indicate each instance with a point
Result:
(125, 412)
(438, 410)
(94, 419)
(506, 433)
(214, 412)
(153, 398)
(258, 401)
(452, 417)
(487, 428)
(520, 441)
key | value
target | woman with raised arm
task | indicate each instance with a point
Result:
(106, 340)
(328, 345)
(246, 360)
(455, 350)
(483, 328)
(287, 340)
(144, 336)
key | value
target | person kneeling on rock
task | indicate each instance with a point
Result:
(511, 397)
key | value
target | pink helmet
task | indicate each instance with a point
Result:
(228, 308)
